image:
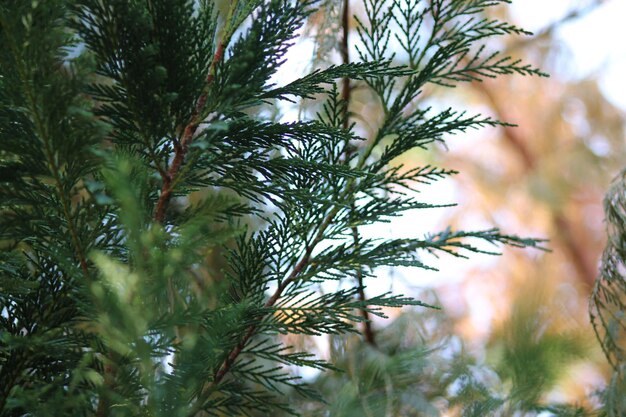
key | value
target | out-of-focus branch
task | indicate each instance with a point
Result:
(576, 253)
(511, 135)
(572, 247)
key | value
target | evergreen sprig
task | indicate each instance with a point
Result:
(158, 234)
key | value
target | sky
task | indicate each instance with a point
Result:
(596, 42)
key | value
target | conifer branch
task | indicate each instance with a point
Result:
(608, 298)
(158, 72)
(48, 151)
(181, 148)
(304, 261)
(227, 364)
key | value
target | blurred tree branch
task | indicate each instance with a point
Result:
(572, 247)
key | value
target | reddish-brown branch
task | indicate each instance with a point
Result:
(368, 330)
(345, 57)
(230, 359)
(346, 95)
(250, 332)
(575, 252)
(511, 134)
(232, 356)
(299, 267)
(109, 381)
(181, 148)
(83, 265)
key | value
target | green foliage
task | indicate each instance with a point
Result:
(420, 368)
(608, 301)
(132, 150)
(533, 352)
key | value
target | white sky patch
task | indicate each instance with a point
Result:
(595, 41)
(534, 15)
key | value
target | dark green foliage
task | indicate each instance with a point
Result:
(134, 159)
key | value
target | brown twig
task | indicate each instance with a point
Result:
(368, 331)
(108, 383)
(180, 151)
(345, 58)
(236, 351)
(346, 95)
(576, 253)
(300, 266)
(182, 147)
(230, 359)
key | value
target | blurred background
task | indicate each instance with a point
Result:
(513, 337)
